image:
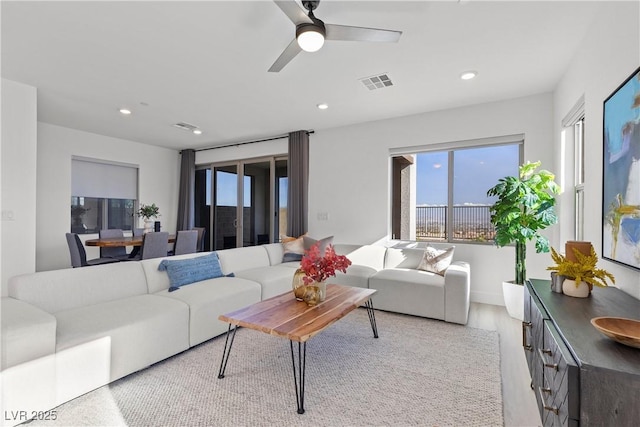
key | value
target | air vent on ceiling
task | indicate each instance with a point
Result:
(377, 82)
(185, 126)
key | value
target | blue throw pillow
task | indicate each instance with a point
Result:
(186, 271)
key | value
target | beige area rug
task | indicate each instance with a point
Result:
(419, 372)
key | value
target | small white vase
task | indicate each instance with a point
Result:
(148, 226)
(581, 291)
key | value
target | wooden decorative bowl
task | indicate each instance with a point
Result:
(624, 331)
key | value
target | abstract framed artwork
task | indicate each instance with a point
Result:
(621, 174)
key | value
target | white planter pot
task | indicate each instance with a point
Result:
(581, 291)
(148, 226)
(514, 299)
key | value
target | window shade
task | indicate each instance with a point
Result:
(574, 114)
(457, 145)
(103, 180)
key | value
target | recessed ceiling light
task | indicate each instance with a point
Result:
(468, 75)
(197, 131)
(125, 111)
(322, 106)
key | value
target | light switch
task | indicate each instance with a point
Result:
(7, 215)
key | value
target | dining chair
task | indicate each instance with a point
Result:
(135, 252)
(79, 255)
(201, 233)
(186, 242)
(120, 252)
(154, 245)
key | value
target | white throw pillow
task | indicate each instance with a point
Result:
(436, 260)
(308, 242)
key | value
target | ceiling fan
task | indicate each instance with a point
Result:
(311, 32)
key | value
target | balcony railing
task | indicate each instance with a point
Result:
(468, 223)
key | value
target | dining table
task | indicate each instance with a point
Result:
(114, 242)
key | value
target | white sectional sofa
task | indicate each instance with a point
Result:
(402, 287)
(66, 332)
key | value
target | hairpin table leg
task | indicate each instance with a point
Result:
(372, 317)
(298, 377)
(227, 349)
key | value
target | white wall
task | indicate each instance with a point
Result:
(158, 175)
(19, 111)
(350, 176)
(609, 53)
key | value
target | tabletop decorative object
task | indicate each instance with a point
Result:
(580, 275)
(146, 212)
(619, 329)
(317, 268)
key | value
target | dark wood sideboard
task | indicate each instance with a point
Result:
(579, 376)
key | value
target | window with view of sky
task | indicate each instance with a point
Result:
(227, 189)
(475, 170)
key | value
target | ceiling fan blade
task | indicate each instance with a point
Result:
(293, 11)
(285, 57)
(361, 34)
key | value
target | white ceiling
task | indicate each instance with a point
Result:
(205, 63)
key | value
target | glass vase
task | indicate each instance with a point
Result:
(298, 284)
(311, 294)
(315, 293)
(322, 289)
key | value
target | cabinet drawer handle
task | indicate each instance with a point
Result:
(526, 346)
(544, 402)
(542, 352)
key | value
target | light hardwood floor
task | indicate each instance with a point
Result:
(519, 402)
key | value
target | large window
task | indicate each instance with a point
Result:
(103, 195)
(572, 152)
(451, 184)
(578, 134)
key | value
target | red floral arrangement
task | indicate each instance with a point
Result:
(319, 268)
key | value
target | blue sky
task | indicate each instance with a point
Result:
(227, 189)
(476, 170)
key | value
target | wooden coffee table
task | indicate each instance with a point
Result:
(284, 316)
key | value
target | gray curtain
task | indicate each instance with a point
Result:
(186, 195)
(298, 173)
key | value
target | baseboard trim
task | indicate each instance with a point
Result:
(487, 298)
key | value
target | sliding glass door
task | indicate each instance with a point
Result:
(281, 186)
(256, 221)
(241, 202)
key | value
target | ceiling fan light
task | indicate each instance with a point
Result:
(310, 37)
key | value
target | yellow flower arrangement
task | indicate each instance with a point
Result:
(582, 270)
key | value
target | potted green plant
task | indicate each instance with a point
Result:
(524, 206)
(581, 275)
(147, 212)
(77, 224)
(77, 212)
